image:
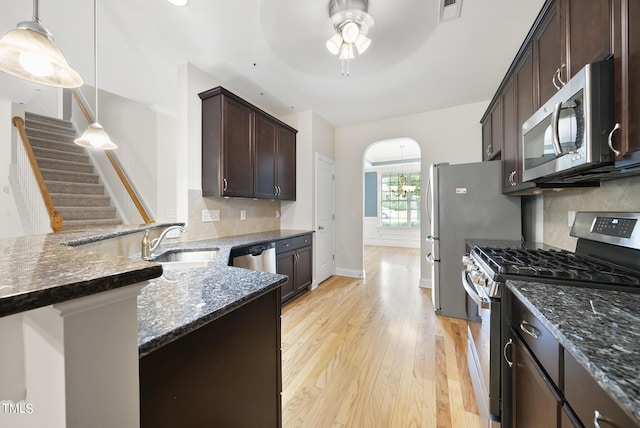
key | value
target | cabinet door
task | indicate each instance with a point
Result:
(548, 54)
(265, 162)
(303, 268)
(285, 265)
(510, 175)
(286, 164)
(535, 401)
(627, 91)
(497, 129)
(487, 146)
(589, 33)
(237, 149)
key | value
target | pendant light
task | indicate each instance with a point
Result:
(29, 52)
(95, 137)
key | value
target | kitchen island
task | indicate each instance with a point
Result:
(44, 288)
(599, 333)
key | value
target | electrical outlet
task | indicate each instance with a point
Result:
(277, 214)
(571, 216)
(243, 214)
(210, 215)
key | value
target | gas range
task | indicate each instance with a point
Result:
(607, 256)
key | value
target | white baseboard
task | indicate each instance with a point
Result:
(351, 273)
(426, 283)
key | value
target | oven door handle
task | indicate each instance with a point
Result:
(470, 290)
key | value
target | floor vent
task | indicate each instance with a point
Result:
(449, 10)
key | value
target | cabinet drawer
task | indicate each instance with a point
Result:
(586, 397)
(291, 244)
(542, 344)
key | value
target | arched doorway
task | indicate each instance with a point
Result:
(392, 193)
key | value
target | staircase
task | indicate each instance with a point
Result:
(74, 186)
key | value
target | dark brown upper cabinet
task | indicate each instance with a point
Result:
(567, 35)
(275, 165)
(626, 140)
(245, 151)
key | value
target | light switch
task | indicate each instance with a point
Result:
(243, 214)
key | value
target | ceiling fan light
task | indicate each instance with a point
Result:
(350, 32)
(334, 44)
(95, 137)
(347, 51)
(28, 52)
(362, 43)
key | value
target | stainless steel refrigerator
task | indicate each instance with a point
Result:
(465, 201)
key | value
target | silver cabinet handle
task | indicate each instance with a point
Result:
(489, 149)
(224, 184)
(597, 418)
(275, 190)
(531, 331)
(615, 128)
(557, 78)
(504, 352)
(553, 80)
(560, 75)
(512, 180)
(278, 187)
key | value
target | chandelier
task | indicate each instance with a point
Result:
(351, 23)
(402, 189)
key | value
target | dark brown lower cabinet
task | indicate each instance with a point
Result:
(589, 401)
(536, 402)
(294, 259)
(225, 374)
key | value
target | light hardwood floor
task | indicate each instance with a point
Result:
(372, 353)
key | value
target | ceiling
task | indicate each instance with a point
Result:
(272, 51)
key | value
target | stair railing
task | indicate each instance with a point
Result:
(114, 162)
(55, 219)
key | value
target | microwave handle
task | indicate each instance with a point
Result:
(555, 121)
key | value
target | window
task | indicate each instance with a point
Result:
(400, 200)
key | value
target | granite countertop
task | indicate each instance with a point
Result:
(604, 338)
(182, 300)
(41, 270)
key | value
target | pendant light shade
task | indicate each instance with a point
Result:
(29, 52)
(95, 137)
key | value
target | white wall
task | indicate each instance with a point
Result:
(9, 216)
(451, 135)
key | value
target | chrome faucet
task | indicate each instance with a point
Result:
(149, 246)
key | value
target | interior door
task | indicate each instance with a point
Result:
(324, 239)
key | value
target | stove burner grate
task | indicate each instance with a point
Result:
(562, 265)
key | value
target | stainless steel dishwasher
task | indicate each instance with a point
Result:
(260, 257)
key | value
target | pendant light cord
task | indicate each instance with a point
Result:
(36, 16)
(95, 51)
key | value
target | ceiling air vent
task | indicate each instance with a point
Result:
(449, 10)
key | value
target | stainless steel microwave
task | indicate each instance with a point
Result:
(569, 134)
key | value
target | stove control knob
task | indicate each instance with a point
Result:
(465, 260)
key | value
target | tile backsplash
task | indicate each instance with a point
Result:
(261, 215)
(615, 195)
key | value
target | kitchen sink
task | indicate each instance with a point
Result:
(186, 259)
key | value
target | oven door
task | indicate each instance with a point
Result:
(483, 355)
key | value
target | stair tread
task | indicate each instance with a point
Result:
(92, 174)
